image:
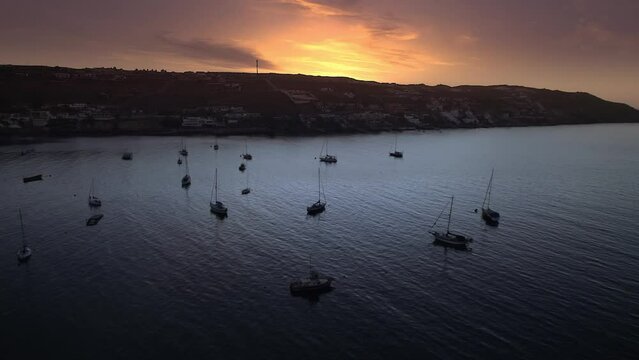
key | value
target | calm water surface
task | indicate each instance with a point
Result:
(161, 277)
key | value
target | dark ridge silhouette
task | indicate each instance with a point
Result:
(105, 101)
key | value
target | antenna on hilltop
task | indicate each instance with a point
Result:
(257, 66)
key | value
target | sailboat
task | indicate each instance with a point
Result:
(448, 238)
(246, 190)
(246, 155)
(314, 283)
(395, 153)
(186, 180)
(216, 146)
(327, 158)
(24, 253)
(242, 166)
(183, 150)
(217, 207)
(491, 217)
(94, 201)
(127, 156)
(179, 161)
(318, 206)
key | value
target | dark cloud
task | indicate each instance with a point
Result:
(214, 52)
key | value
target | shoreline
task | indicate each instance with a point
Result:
(31, 138)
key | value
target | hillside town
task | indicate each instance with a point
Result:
(37, 100)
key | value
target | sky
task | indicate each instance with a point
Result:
(571, 45)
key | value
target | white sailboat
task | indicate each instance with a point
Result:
(217, 207)
(24, 253)
(94, 201)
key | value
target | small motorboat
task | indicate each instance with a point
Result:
(32, 178)
(179, 161)
(315, 283)
(216, 147)
(242, 167)
(186, 180)
(24, 254)
(246, 191)
(94, 219)
(127, 156)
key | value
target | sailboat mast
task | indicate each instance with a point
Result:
(216, 185)
(319, 186)
(490, 186)
(395, 142)
(450, 213)
(22, 228)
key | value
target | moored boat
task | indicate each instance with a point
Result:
(314, 283)
(489, 216)
(94, 219)
(448, 238)
(32, 178)
(395, 153)
(318, 206)
(217, 207)
(94, 201)
(24, 253)
(127, 156)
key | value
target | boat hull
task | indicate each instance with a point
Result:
(219, 209)
(32, 178)
(397, 154)
(246, 191)
(490, 217)
(451, 240)
(316, 208)
(94, 220)
(24, 254)
(314, 287)
(328, 159)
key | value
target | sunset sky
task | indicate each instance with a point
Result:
(574, 45)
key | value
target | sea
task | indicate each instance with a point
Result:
(161, 277)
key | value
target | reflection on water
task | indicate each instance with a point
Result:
(161, 276)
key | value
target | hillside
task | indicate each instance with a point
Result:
(54, 100)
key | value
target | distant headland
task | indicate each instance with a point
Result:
(58, 101)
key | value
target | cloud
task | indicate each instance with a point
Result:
(218, 53)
